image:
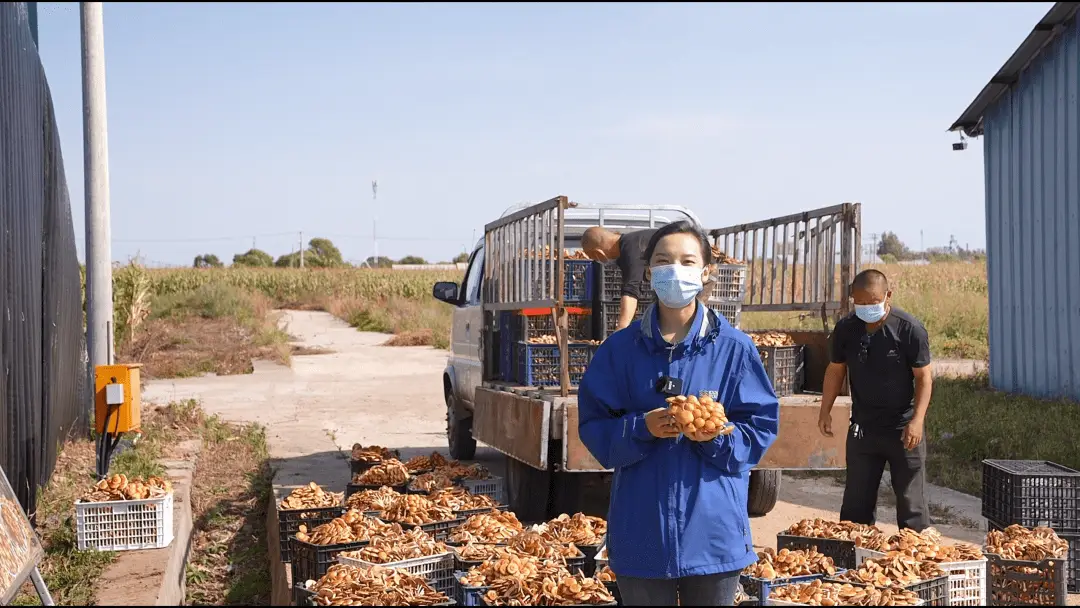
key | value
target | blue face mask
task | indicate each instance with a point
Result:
(870, 313)
(676, 285)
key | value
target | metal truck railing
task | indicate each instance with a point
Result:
(525, 265)
(799, 262)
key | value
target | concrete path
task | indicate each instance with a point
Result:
(371, 394)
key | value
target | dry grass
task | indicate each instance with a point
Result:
(228, 564)
(950, 299)
(215, 328)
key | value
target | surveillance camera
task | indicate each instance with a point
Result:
(959, 146)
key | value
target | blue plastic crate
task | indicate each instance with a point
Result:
(538, 364)
(578, 281)
(760, 588)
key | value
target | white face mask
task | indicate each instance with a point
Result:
(676, 285)
(870, 313)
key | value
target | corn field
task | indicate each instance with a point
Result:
(285, 285)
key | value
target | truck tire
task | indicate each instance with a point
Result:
(462, 445)
(764, 491)
(588, 493)
(528, 491)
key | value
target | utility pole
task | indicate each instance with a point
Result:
(99, 300)
(301, 249)
(374, 218)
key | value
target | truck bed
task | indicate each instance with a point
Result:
(526, 423)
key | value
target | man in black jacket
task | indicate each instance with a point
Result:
(885, 352)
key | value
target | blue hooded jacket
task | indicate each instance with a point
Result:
(678, 507)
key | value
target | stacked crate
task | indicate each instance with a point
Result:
(727, 294)
(609, 294)
(524, 360)
(1032, 494)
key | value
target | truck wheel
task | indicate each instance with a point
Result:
(588, 493)
(764, 491)
(528, 490)
(459, 433)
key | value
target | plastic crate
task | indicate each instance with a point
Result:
(467, 596)
(784, 365)
(732, 311)
(289, 522)
(1031, 493)
(1009, 583)
(527, 326)
(125, 525)
(353, 488)
(610, 288)
(1072, 565)
(438, 570)
(842, 552)
(302, 596)
(578, 279)
(439, 530)
(464, 565)
(759, 588)
(610, 282)
(492, 487)
(730, 283)
(933, 592)
(609, 316)
(538, 364)
(967, 580)
(310, 562)
(467, 513)
(590, 551)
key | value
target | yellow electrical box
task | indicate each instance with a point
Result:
(117, 398)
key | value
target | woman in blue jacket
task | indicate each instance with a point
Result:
(678, 528)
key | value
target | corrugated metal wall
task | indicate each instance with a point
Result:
(1032, 155)
(44, 394)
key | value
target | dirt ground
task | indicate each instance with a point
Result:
(364, 392)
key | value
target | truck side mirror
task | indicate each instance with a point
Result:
(445, 291)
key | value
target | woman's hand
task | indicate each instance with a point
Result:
(704, 436)
(661, 424)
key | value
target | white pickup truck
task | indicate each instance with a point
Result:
(548, 469)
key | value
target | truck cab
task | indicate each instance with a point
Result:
(519, 266)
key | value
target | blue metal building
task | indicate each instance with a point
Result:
(1029, 117)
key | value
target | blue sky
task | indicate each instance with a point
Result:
(232, 121)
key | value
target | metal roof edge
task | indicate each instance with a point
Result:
(1045, 31)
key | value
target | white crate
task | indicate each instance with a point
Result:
(493, 487)
(861, 555)
(601, 557)
(438, 570)
(967, 580)
(125, 525)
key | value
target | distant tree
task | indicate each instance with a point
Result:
(253, 257)
(207, 260)
(327, 253)
(461, 258)
(412, 259)
(890, 244)
(381, 262)
(292, 260)
(888, 258)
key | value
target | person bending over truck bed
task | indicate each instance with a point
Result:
(678, 528)
(628, 251)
